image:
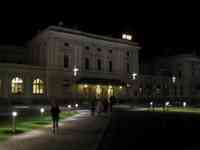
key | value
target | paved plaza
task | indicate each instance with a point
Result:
(81, 132)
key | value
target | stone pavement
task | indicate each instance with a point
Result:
(81, 132)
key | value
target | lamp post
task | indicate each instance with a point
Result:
(14, 115)
(42, 111)
(173, 79)
(151, 105)
(76, 105)
(75, 70)
(184, 104)
(167, 104)
(134, 75)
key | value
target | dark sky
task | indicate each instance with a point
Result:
(154, 26)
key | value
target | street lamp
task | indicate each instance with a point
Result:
(151, 104)
(69, 106)
(42, 111)
(173, 79)
(14, 115)
(75, 70)
(134, 75)
(184, 104)
(76, 105)
(167, 104)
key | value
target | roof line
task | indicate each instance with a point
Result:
(81, 33)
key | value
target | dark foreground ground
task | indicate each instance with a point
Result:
(139, 130)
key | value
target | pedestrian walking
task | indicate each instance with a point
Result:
(93, 107)
(111, 102)
(99, 107)
(55, 111)
(105, 105)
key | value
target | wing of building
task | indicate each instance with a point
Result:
(68, 65)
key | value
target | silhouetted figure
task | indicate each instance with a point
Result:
(92, 107)
(105, 105)
(99, 107)
(55, 111)
(111, 102)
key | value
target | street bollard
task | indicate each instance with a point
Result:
(166, 105)
(151, 105)
(14, 115)
(42, 111)
(76, 107)
(184, 104)
(69, 108)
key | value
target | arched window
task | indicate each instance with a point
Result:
(16, 85)
(38, 86)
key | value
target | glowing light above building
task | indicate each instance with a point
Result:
(127, 37)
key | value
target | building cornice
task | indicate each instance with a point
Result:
(89, 35)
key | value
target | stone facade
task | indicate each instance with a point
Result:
(104, 65)
(186, 69)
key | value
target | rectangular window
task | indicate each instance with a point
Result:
(66, 61)
(110, 66)
(181, 90)
(128, 68)
(99, 64)
(87, 64)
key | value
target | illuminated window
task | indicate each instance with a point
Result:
(16, 86)
(38, 86)
(128, 68)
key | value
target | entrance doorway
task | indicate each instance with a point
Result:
(98, 91)
(110, 91)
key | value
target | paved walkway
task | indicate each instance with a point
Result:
(81, 132)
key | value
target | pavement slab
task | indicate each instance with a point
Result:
(81, 132)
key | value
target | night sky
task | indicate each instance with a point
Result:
(154, 26)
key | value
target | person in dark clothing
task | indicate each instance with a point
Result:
(92, 107)
(105, 105)
(112, 100)
(55, 111)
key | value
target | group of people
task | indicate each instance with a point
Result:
(97, 107)
(101, 106)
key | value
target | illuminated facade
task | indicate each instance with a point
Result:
(82, 65)
(70, 65)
